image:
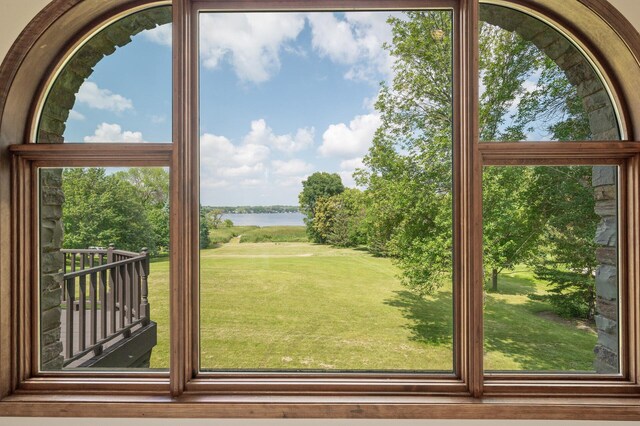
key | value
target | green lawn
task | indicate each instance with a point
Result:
(305, 306)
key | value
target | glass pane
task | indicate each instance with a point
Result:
(536, 85)
(551, 269)
(116, 87)
(104, 268)
(326, 180)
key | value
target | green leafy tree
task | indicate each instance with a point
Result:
(339, 219)
(152, 190)
(101, 209)
(316, 186)
(213, 218)
(567, 259)
(408, 172)
(204, 230)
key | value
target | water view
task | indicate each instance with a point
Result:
(265, 219)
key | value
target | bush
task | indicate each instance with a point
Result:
(572, 294)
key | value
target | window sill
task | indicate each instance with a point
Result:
(271, 405)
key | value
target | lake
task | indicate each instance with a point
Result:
(265, 219)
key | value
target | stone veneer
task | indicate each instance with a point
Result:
(604, 126)
(55, 112)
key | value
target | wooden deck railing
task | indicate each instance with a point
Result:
(114, 302)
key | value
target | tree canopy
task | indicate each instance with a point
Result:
(127, 208)
(315, 187)
(407, 204)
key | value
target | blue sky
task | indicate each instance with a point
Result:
(282, 96)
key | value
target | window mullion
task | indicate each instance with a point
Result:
(579, 152)
(468, 239)
(183, 189)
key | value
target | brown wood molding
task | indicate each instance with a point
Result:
(300, 5)
(96, 154)
(318, 406)
(540, 153)
(25, 42)
(186, 392)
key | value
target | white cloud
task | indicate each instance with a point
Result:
(75, 115)
(251, 182)
(333, 38)
(160, 35)
(354, 163)
(291, 181)
(348, 167)
(104, 99)
(250, 42)
(219, 153)
(239, 171)
(212, 183)
(347, 179)
(356, 41)
(263, 135)
(347, 141)
(291, 167)
(106, 132)
(225, 165)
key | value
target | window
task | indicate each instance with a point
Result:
(546, 161)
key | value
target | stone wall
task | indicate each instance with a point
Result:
(60, 101)
(51, 265)
(604, 126)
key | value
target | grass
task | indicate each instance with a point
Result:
(275, 234)
(305, 306)
(521, 334)
(224, 235)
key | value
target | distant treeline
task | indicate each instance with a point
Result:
(253, 209)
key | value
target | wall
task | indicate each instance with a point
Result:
(14, 16)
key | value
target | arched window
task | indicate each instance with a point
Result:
(456, 184)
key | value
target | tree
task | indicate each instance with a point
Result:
(101, 209)
(408, 172)
(204, 230)
(568, 261)
(316, 186)
(339, 219)
(213, 217)
(152, 190)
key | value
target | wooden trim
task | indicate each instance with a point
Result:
(26, 303)
(104, 155)
(627, 350)
(631, 263)
(180, 227)
(314, 5)
(26, 40)
(530, 153)
(469, 198)
(90, 384)
(311, 384)
(192, 363)
(310, 395)
(460, 300)
(619, 99)
(323, 406)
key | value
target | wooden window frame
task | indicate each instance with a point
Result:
(186, 392)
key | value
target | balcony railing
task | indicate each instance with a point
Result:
(105, 299)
